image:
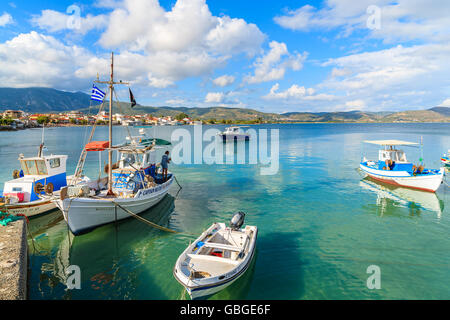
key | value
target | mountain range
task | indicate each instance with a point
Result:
(46, 100)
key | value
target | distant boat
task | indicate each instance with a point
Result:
(234, 134)
(39, 176)
(217, 258)
(445, 159)
(131, 187)
(393, 168)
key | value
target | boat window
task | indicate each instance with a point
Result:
(33, 167)
(55, 163)
(23, 164)
(42, 168)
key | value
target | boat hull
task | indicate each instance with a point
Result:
(85, 214)
(31, 209)
(446, 161)
(429, 182)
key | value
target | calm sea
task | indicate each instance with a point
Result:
(320, 225)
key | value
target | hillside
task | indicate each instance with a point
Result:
(42, 99)
(46, 100)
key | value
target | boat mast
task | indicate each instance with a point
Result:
(111, 84)
(110, 192)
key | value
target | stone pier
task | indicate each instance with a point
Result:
(13, 261)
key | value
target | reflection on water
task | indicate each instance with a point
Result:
(102, 255)
(390, 196)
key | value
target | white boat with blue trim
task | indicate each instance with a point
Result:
(40, 175)
(219, 257)
(392, 167)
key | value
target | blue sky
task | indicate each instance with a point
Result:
(273, 56)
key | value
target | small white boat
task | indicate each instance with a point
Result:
(393, 168)
(217, 258)
(445, 159)
(234, 134)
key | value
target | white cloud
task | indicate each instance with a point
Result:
(356, 104)
(185, 41)
(224, 81)
(296, 92)
(214, 97)
(399, 20)
(273, 65)
(5, 19)
(36, 60)
(54, 21)
(175, 101)
(445, 103)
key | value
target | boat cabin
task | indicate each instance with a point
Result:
(38, 175)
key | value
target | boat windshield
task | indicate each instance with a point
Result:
(33, 167)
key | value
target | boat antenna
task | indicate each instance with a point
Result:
(421, 150)
(41, 146)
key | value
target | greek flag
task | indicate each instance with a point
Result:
(97, 94)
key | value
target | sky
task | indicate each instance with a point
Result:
(272, 56)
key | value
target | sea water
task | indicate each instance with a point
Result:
(320, 225)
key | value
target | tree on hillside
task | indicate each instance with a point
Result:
(43, 119)
(181, 116)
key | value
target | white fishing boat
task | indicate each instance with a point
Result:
(445, 159)
(217, 258)
(38, 176)
(131, 187)
(392, 167)
(234, 134)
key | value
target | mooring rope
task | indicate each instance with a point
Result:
(154, 225)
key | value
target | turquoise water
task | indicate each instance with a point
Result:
(320, 225)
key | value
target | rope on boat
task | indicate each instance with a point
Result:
(154, 225)
(176, 180)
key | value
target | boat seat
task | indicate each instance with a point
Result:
(211, 258)
(221, 246)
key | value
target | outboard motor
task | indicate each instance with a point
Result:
(237, 220)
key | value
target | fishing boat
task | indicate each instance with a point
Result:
(38, 176)
(131, 186)
(393, 168)
(234, 134)
(445, 159)
(217, 258)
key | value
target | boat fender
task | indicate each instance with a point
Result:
(16, 174)
(38, 188)
(49, 188)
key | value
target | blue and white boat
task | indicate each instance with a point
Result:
(38, 176)
(219, 257)
(392, 167)
(445, 159)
